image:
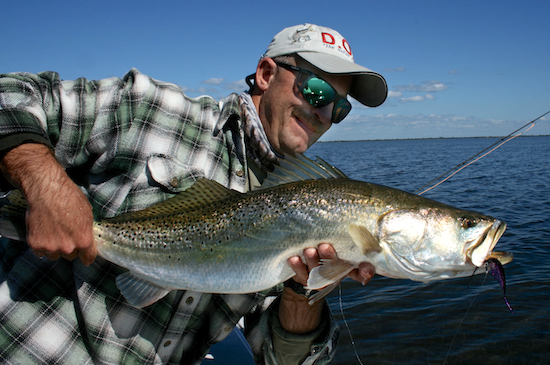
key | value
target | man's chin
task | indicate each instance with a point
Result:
(294, 148)
(301, 139)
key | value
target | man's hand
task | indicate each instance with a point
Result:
(295, 313)
(59, 216)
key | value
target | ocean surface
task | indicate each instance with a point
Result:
(457, 321)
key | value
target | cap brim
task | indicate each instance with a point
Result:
(368, 87)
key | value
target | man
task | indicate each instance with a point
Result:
(79, 149)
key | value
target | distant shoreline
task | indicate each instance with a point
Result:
(421, 139)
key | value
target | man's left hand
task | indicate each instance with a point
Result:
(295, 313)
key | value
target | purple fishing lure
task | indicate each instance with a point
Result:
(496, 269)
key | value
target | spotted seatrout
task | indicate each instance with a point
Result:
(211, 239)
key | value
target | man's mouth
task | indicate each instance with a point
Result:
(304, 122)
(305, 126)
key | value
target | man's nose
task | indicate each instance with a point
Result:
(324, 114)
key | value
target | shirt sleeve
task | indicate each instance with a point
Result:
(64, 115)
(62, 112)
(284, 348)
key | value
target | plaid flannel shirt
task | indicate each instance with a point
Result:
(129, 143)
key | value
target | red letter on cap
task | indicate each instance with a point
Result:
(328, 38)
(346, 46)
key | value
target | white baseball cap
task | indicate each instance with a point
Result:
(327, 50)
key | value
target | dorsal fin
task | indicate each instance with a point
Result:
(300, 168)
(201, 193)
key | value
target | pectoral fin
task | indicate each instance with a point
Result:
(326, 277)
(322, 293)
(139, 292)
(328, 272)
(364, 239)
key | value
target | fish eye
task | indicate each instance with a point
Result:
(467, 222)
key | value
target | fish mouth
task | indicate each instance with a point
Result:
(502, 257)
(483, 250)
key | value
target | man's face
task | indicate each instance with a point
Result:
(290, 122)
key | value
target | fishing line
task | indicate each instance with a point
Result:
(447, 175)
(462, 321)
(347, 326)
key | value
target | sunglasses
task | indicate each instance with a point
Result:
(319, 93)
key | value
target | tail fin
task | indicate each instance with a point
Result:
(12, 216)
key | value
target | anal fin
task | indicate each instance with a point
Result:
(139, 292)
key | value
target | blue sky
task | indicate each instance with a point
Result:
(454, 68)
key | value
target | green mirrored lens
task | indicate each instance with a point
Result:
(341, 110)
(318, 92)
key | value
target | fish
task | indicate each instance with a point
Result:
(215, 240)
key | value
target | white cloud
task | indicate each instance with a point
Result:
(198, 91)
(217, 88)
(213, 81)
(237, 86)
(392, 126)
(426, 86)
(394, 94)
(434, 86)
(412, 99)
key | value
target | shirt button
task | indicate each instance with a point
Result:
(189, 300)
(174, 182)
(167, 343)
(240, 173)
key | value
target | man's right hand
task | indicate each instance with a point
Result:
(59, 217)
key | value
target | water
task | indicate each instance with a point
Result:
(404, 322)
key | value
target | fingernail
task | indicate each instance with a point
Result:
(310, 252)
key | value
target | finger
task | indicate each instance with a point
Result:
(326, 251)
(363, 274)
(299, 268)
(38, 253)
(69, 257)
(312, 258)
(53, 256)
(88, 255)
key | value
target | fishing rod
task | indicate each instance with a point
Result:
(441, 178)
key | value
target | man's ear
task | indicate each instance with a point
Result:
(265, 71)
